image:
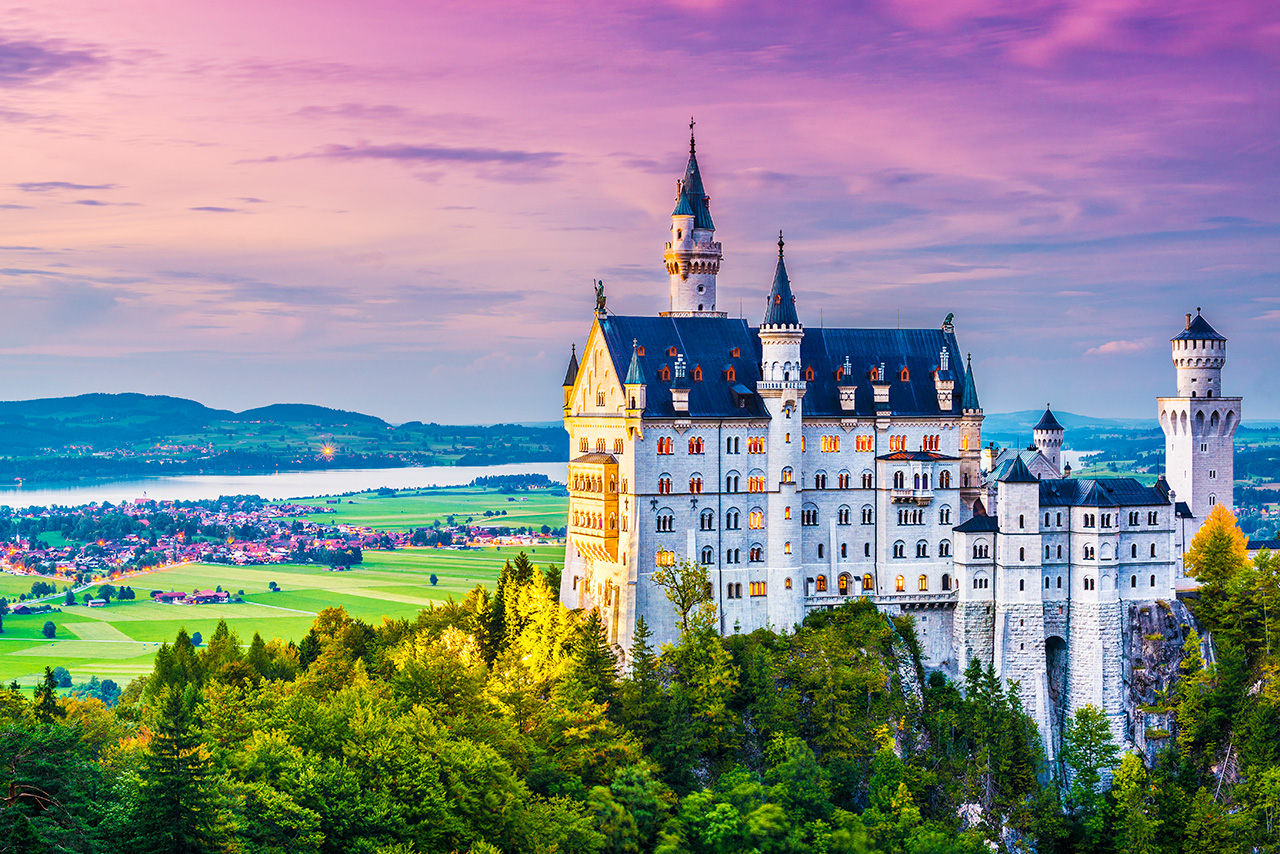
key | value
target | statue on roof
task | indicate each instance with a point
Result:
(600, 298)
(946, 323)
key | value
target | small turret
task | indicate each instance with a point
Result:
(570, 377)
(969, 401)
(847, 387)
(1199, 354)
(692, 255)
(944, 381)
(880, 388)
(634, 383)
(780, 313)
(680, 387)
(1047, 437)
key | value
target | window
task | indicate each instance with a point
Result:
(1153, 580)
(1213, 473)
(707, 521)
(1059, 582)
(905, 376)
(707, 555)
(1133, 581)
(787, 475)
(842, 584)
(821, 584)
(733, 556)
(756, 554)
(830, 444)
(666, 521)
(600, 398)
(842, 480)
(584, 444)
(844, 550)
(1151, 518)
(731, 482)
(944, 480)
(808, 374)
(922, 549)
(786, 513)
(1088, 552)
(922, 583)
(820, 480)
(1059, 551)
(867, 480)
(786, 548)
(899, 480)
(696, 445)
(1134, 550)
(755, 521)
(758, 588)
(1046, 582)
(732, 520)
(820, 551)
(944, 550)
(755, 444)
(981, 550)
(900, 584)
(1046, 554)
(946, 581)
(1153, 549)
(600, 445)
(899, 549)
(802, 442)
(1046, 523)
(944, 515)
(1088, 584)
(617, 447)
(697, 373)
(664, 484)
(665, 445)
(1059, 522)
(809, 516)
(866, 549)
(1213, 500)
(842, 515)
(695, 484)
(729, 591)
(731, 445)
(867, 583)
(786, 582)
(1022, 554)
(1022, 521)
(1022, 584)
(979, 583)
(755, 484)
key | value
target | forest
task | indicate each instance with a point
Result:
(507, 723)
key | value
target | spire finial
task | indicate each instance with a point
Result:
(1197, 311)
(635, 345)
(691, 143)
(780, 243)
(573, 349)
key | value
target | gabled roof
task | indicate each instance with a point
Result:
(1048, 422)
(1199, 330)
(697, 195)
(571, 373)
(596, 458)
(1269, 545)
(1018, 473)
(1100, 492)
(781, 309)
(969, 399)
(978, 525)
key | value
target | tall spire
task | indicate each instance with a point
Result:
(693, 187)
(969, 402)
(635, 374)
(781, 310)
(692, 254)
(571, 374)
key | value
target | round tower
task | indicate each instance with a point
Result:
(1199, 353)
(1047, 436)
(781, 388)
(692, 254)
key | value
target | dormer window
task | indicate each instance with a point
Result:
(735, 353)
(697, 373)
(640, 351)
(730, 374)
(777, 299)
(874, 375)
(671, 352)
(808, 374)
(839, 374)
(905, 376)
(665, 374)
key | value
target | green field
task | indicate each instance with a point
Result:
(415, 509)
(119, 641)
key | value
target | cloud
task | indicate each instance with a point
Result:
(15, 207)
(48, 186)
(424, 154)
(216, 209)
(98, 203)
(27, 62)
(1112, 348)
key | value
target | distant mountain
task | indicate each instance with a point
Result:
(1023, 422)
(306, 413)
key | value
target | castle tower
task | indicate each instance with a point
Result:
(692, 254)
(970, 443)
(570, 379)
(1199, 424)
(782, 389)
(1048, 438)
(1019, 612)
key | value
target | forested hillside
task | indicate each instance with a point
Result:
(504, 723)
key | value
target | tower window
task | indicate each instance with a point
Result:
(808, 374)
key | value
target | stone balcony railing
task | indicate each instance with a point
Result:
(911, 496)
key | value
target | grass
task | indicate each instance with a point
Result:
(417, 509)
(119, 641)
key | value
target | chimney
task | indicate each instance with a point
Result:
(1188, 320)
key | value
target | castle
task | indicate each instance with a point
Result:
(805, 466)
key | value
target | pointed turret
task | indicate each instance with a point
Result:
(692, 255)
(634, 383)
(570, 377)
(781, 310)
(1047, 437)
(635, 373)
(969, 401)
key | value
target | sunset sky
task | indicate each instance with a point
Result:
(399, 207)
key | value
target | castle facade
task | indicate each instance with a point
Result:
(802, 467)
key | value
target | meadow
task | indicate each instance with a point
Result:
(419, 508)
(119, 641)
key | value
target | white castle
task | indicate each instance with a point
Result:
(806, 466)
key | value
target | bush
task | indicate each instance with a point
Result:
(196, 640)
(433, 579)
(49, 629)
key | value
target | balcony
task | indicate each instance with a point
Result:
(780, 385)
(911, 496)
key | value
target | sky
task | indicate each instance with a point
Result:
(399, 207)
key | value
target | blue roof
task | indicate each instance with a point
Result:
(1100, 492)
(571, 373)
(708, 342)
(683, 206)
(635, 373)
(1198, 330)
(1048, 422)
(697, 195)
(1018, 473)
(978, 525)
(781, 308)
(969, 400)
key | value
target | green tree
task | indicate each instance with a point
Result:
(1088, 749)
(687, 586)
(593, 667)
(49, 630)
(46, 706)
(1208, 826)
(1218, 552)
(177, 814)
(1136, 823)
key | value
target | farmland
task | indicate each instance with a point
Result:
(414, 509)
(119, 641)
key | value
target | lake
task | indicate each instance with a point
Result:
(302, 484)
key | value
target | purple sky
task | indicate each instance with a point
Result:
(398, 207)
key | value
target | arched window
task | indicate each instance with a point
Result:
(842, 584)
(707, 521)
(944, 480)
(842, 515)
(1046, 582)
(707, 556)
(820, 550)
(844, 550)
(868, 515)
(916, 481)
(821, 585)
(1133, 550)
(695, 484)
(922, 549)
(922, 583)
(944, 515)
(664, 484)
(867, 583)
(1153, 549)
(732, 520)
(1022, 521)
(867, 480)
(899, 480)
(1022, 554)
(1059, 551)
(946, 581)
(900, 584)
(899, 549)
(756, 554)
(787, 475)
(866, 549)
(944, 549)
(1133, 581)
(666, 521)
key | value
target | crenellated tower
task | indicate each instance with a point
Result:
(692, 254)
(1047, 436)
(1200, 423)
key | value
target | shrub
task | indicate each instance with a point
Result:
(196, 640)
(433, 579)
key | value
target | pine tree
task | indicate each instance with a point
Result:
(593, 667)
(257, 657)
(1136, 823)
(46, 707)
(177, 814)
(641, 695)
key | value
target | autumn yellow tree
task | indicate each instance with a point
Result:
(1218, 552)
